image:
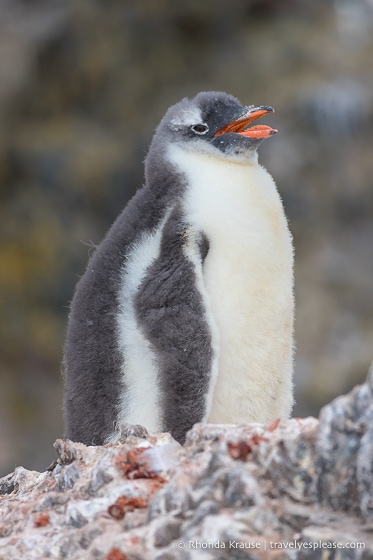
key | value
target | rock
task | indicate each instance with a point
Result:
(345, 451)
(296, 490)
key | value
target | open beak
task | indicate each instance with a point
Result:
(240, 125)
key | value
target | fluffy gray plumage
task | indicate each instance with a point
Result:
(169, 310)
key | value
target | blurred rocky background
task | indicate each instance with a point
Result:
(83, 85)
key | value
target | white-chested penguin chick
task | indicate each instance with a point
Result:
(185, 311)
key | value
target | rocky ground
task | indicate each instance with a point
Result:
(300, 489)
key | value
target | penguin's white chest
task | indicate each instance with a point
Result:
(248, 281)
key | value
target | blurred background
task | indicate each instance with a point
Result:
(82, 87)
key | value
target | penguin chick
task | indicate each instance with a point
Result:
(185, 311)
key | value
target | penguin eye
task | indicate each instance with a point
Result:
(200, 128)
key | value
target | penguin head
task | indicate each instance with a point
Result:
(216, 124)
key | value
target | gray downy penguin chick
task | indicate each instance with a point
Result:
(185, 311)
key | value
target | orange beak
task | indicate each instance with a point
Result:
(258, 131)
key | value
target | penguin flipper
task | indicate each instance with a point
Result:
(170, 309)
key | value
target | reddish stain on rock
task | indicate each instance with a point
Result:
(241, 449)
(124, 504)
(272, 427)
(115, 554)
(132, 467)
(41, 520)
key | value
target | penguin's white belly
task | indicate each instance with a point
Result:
(252, 307)
(248, 279)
